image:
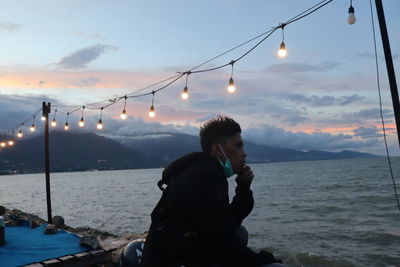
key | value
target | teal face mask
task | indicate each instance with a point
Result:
(227, 166)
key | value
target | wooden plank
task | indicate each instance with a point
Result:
(34, 265)
(82, 255)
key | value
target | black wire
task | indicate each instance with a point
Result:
(312, 11)
(380, 107)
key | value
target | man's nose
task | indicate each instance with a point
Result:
(244, 154)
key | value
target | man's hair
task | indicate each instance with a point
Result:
(216, 131)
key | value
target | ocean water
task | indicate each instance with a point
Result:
(316, 213)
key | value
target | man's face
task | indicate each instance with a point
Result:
(234, 150)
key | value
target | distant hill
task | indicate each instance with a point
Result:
(73, 152)
(169, 146)
(87, 151)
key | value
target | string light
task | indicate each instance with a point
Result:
(152, 113)
(43, 118)
(100, 124)
(2, 144)
(32, 128)
(231, 85)
(10, 142)
(19, 134)
(185, 92)
(282, 52)
(351, 19)
(66, 126)
(173, 79)
(123, 113)
(82, 121)
(53, 122)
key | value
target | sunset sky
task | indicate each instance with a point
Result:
(322, 96)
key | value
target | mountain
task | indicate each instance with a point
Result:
(169, 146)
(73, 152)
(79, 152)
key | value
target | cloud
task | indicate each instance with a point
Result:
(80, 58)
(302, 67)
(10, 27)
(274, 136)
(320, 101)
(367, 132)
(91, 36)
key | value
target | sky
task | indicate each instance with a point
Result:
(322, 96)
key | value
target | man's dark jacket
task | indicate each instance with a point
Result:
(194, 224)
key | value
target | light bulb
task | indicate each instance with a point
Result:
(43, 118)
(152, 113)
(2, 144)
(282, 52)
(19, 134)
(53, 123)
(100, 125)
(351, 19)
(11, 143)
(66, 126)
(81, 122)
(231, 86)
(185, 94)
(123, 115)
(32, 128)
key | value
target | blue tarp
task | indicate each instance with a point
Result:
(25, 245)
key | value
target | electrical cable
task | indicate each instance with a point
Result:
(380, 108)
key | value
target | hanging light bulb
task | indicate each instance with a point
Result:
(185, 94)
(82, 121)
(10, 142)
(66, 125)
(351, 19)
(53, 123)
(2, 144)
(123, 113)
(231, 86)
(32, 128)
(100, 125)
(43, 118)
(152, 113)
(19, 134)
(282, 52)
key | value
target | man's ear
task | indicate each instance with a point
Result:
(216, 151)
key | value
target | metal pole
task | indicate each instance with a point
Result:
(389, 64)
(45, 112)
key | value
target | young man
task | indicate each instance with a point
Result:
(194, 224)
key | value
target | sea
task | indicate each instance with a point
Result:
(310, 213)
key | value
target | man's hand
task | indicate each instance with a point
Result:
(245, 176)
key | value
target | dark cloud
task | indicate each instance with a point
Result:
(302, 67)
(320, 101)
(274, 136)
(367, 132)
(80, 58)
(10, 27)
